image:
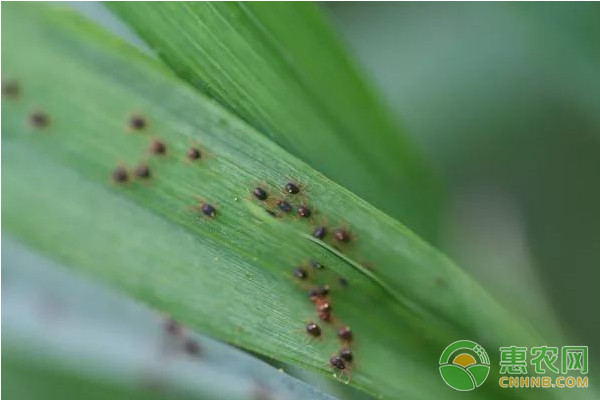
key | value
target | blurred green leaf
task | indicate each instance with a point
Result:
(282, 69)
(230, 275)
(75, 337)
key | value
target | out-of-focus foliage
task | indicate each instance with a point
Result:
(505, 98)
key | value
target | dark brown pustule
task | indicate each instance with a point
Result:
(316, 265)
(39, 119)
(320, 232)
(191, 347)
(300, 273)
(284, 206)
(325, 316)
(345, 333)
(292, 188)
(137, 122)
(260, 193)
(142, 171)
(313, 329)
(120, 175)
(346, 354)
(158, 147)
(304, 211)
(208, 210)
(172, 327)
(194, 154)
(337, 362)
(324, 307)
(342, 235)
(10, 89)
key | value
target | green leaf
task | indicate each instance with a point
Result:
(231, 275)
(281, 68)
(75, 337)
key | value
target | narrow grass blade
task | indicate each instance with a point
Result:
(282, 69)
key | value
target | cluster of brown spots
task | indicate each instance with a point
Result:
(320, 296)
(277, 206)
(158, 147)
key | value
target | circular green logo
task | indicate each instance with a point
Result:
(464, 365)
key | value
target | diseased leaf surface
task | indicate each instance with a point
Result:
(230, 275)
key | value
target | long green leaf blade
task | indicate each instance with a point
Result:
(230, 275)
(280, 67)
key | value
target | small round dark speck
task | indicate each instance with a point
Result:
(158, 147)
(346, 354)
(320, 232)
(284, 206)
(260, 193)
(300, 273)
(172, 327)
(208, 210)
(192, 347)
(120, 175)
(316, 265)
(342, 235)
(325, 316)
(142, 171)
(39, 119)
(137, 122)
(10, 89)
(337, 362)
(344, 282)
(345, 333)
(292, 188)
(313, 329)
(194, 154)
(304, 211)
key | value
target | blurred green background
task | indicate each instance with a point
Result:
(504, 98)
